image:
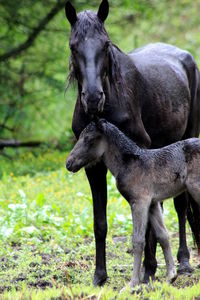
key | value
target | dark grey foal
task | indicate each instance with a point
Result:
(144, 177)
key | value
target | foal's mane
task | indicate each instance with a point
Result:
(125, 145)
(89, 23)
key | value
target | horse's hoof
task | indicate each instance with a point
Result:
(185, 268)
(147, 277)
(100, 279)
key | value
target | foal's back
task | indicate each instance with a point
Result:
(165, 172)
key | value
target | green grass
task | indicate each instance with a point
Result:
(47, 247)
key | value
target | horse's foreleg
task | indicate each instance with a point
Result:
(183, 254)
(97, 179)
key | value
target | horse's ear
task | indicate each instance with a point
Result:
(103, 10)
(70, 13)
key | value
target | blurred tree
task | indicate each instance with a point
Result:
(24, 61)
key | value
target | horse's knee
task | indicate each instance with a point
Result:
(138, 243)
(100, 229)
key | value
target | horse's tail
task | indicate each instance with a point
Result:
(193, 130)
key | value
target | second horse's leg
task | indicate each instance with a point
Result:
(183, 254)
(97, 179)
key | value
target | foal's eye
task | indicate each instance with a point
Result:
(106, 46)
(73, 49)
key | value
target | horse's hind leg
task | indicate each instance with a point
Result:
(183, 255)
(156, 220)
(193, 187)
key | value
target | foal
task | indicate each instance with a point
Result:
(144, 177)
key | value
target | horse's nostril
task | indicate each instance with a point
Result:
(101, 95)
(68, 164)
(83, 94)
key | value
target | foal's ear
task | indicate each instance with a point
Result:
(103, 10)
(70, 13)
(101, 124)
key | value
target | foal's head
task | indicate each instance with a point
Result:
(89, 44)
(89, 148)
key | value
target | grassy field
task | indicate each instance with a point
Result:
(46, 231)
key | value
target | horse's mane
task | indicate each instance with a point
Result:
(88, 23)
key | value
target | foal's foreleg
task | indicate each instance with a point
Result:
(156, 220)
(140, 210)
(97, 179)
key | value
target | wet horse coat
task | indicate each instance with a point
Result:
(151, 94)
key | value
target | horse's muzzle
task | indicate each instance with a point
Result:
(93, 105)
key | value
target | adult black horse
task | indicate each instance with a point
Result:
(151, 94)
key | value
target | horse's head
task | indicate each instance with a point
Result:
(89, 148)
(89, 45)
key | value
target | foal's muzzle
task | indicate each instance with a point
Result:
(70, 166)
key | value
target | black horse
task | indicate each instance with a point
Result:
(152, 95)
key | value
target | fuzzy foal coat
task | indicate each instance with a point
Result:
(144, 177)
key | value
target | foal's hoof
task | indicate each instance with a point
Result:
(100, 279)
(134, 283)
(171, 276)
(185, 268)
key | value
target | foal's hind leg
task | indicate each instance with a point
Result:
(156, 220)
(183, 254)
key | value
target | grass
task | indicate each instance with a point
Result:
(47, 247)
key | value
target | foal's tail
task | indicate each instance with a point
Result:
(193, 130)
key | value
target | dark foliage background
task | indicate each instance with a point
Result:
(34, 56)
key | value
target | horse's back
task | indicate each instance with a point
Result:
(161, 53)
(173, 77)
(162, 63)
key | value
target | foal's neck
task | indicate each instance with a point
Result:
(119, 148)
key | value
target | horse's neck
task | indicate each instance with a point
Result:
(129, 80)
(127, 90)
